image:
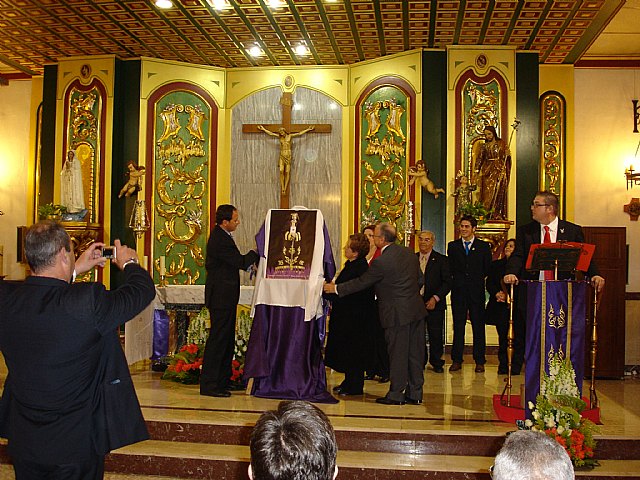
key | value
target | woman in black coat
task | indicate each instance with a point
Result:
(349, 341)
(497, 308)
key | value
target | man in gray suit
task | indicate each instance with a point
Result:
(397, 278)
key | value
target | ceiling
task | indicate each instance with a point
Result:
(40, 32)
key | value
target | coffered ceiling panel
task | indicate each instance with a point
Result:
(37, 32)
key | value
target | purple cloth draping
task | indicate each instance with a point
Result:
(284, 356)
(556, 322)
(160, 334)
(284, 353)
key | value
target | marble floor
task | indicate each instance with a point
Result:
(460, 401)
(455, 403)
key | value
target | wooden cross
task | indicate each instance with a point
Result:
(285, 131)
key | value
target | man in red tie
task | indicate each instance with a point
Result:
(546, 227)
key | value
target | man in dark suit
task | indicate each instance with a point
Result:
(544, 211)
(68, 398)
(222, 292)
(469, 261)
(397, 279)
(437, 283)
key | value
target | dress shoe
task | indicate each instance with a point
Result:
(411, 401)
(344, 393)
(217, 393)
(503, 371)
(388, 401)
(479, 368)
(455, 366)
(383, 380)
(439, 369)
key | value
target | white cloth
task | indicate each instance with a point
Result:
(306, 294)
(71, 189)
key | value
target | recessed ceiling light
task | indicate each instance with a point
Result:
(164, 3)
(302, 50)
(255, 51)
(275, 3)
(219, 4)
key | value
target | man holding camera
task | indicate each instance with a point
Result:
(68, 398)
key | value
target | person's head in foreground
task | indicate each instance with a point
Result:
(294, 442)
(528, 455)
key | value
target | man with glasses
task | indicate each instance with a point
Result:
(546, 227)
(437, 284)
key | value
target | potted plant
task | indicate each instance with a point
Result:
(51, 211)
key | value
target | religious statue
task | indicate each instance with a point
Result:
(284, 161)
(463, 192)
(71, 189)
(420, 174)
(134, 184)
(493, 167)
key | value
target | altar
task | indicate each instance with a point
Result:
(181, 303)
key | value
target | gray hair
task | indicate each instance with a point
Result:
(388, 232)
(528, 455)
(43, 242)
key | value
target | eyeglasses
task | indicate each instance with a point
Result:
(534, 204)
(491, 471)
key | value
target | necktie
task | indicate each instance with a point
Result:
(466, 247)
(423, 266)
(548, 274)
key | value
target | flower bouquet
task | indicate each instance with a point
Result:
(184, 366)
(557, 413)
(243, 329)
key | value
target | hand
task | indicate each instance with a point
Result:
(91, 257)
(501, 296)
(431, 303)
(598, 283)
(329, 287)
(123, 254)
(510, 279)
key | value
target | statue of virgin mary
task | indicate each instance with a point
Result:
(71, 190)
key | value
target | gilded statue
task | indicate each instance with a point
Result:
(463, 192)
(134, 184)
(284, 161)
(420, 174)
(493, 168)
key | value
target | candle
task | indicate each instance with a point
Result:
(145, 262)
(162, 266)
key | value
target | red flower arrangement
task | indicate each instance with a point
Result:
(184, 366)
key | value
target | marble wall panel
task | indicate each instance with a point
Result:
(316, 166)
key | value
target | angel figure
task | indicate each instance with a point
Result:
(134, 184)
(463, 192)
(420, 173)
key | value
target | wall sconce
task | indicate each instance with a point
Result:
(139, 221)
(633, 178)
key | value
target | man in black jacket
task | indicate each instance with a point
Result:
(469, 260)
(437, 284)
(544, 211)
(222, 292)
(68, 398)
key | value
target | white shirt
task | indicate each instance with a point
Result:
(553, 231)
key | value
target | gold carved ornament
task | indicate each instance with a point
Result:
(83, 122)
(552, 143)
(386, 186)
(291, 254)
(182, 220)
(559, 320)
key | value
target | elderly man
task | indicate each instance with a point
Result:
(531, 455)
(294, 441)
(546, 227)
(68, 399)
(437, 283)
(397, 279)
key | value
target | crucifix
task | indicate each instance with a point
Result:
(285, 131)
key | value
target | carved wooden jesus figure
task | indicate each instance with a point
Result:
(284, 160)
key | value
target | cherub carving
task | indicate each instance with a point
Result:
(134, 184)
(420, 173)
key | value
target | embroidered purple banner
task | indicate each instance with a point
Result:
(292, 238)
(556, 322)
